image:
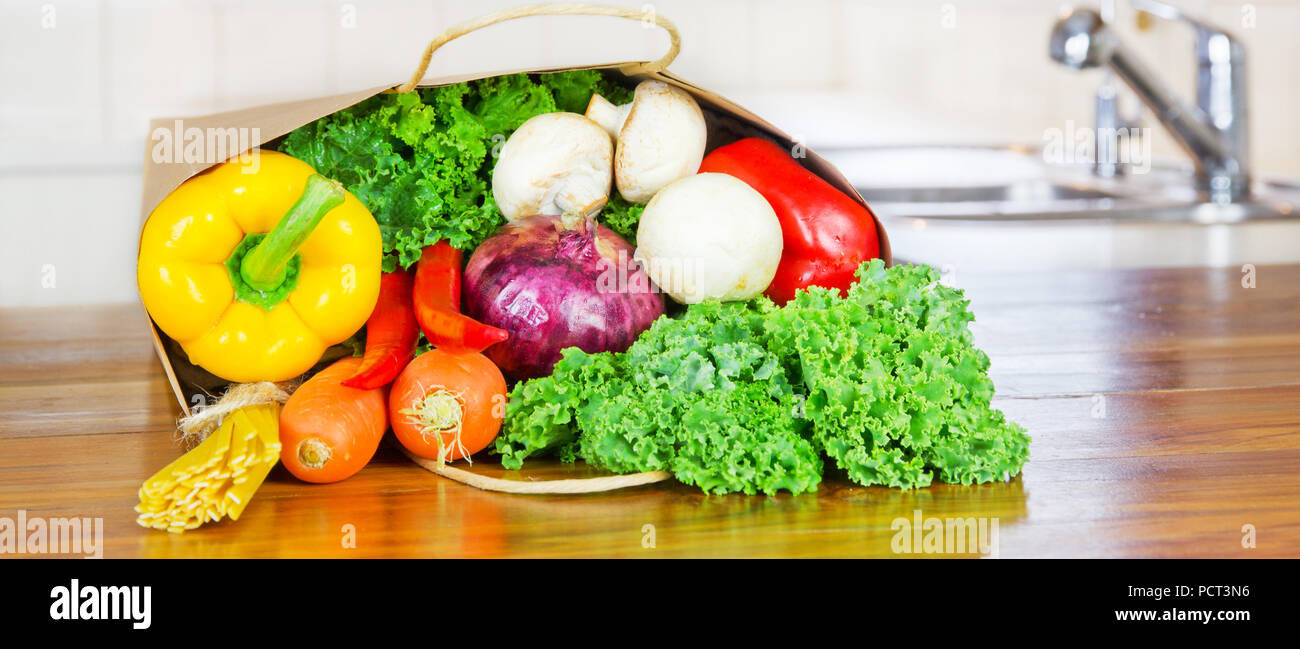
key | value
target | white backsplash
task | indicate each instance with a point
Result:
(80, 80)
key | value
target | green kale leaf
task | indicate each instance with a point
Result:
(622, 217)
(748, 397)
(421, 162)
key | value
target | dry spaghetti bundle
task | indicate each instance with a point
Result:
(218, 477)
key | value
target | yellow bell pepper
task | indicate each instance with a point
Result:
(256, 267)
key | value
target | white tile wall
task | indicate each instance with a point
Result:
(79, 80)
(69, 237)
(51, 75)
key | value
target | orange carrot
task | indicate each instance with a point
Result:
(448, 406)
(329, 431)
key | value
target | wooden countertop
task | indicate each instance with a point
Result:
(1164, 407)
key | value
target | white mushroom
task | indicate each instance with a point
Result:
(709, 236)
(554, 163)
(661, 136)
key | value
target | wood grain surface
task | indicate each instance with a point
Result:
(1164, 407)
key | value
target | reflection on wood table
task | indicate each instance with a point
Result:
(1164, 407)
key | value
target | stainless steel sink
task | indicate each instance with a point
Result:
(1005, 207)
(1106, 206)
(1025, 193)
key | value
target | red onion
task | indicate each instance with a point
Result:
(553, 287)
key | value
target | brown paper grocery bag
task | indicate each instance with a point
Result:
(167, 163)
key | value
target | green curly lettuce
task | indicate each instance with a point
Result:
(421, 162)
(573, 89)
(748, 397)
(622, 217)
(742, 440)
(696, 396)
(896, 390)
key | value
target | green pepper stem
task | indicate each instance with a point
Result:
(264, 266)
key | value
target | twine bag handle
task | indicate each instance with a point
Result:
(561, 486)
(575, 9)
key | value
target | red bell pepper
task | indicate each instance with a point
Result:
(437, 304)
(826, 234)
(391, 332)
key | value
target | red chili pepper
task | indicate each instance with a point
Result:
(390, 334)
(437, 304)
(826, 234)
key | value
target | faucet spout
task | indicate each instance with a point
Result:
(1213, 132)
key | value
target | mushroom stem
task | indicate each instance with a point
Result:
(571, 220)
(581, 195)
(610, 116)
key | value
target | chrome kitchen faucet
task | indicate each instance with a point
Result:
(1213, 132)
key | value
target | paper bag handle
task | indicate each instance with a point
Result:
(674, 46)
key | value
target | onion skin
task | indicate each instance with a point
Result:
(554, 287)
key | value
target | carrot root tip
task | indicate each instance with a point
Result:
(314, 453)
(440, 411)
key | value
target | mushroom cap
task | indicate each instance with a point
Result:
(661, 140)
(552, 164)
(709, 236)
